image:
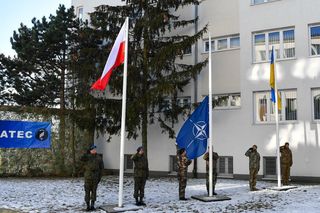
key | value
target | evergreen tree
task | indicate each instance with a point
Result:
(40, 72)
(154, 72)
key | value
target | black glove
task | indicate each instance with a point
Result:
(251, 149)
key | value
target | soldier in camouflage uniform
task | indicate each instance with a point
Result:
(286, 163)
(141, 174)
(183, 164)
(93, 168)
(215, 157)
(254, 166)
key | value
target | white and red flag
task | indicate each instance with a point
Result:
(116, 58)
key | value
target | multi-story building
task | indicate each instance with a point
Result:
(243, 33)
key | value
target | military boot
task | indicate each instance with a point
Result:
(141, 201)
(137, 202)
(88, 206)
(213, 191)
(92, 206)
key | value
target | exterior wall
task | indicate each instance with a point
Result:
(301, 73)
(89, 5)
(222, 18)
(235, 130)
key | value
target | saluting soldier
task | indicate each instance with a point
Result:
(286, 163)
(254, 166)
(93, 168)
(183, 164)
(141, 174)
(215, 158)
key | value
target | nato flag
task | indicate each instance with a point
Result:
(195, 131)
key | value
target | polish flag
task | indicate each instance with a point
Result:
(115, 59)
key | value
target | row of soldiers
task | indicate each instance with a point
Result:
(93, 167)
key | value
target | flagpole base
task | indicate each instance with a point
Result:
(214, 198)
(113, 208)
(5, 210)
(283, 188)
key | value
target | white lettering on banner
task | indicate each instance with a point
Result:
(29, 134)
(15, 134)
(11, 133)
(20, 134)
(4, 134)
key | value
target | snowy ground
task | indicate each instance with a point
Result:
(67, 195)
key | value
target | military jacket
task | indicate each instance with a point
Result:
(254, 159)
(183, 164)
(286, 156)
(93, 166)
(141, 168)
(215, 158)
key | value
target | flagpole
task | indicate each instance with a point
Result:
(123, 116)
(210, 119)
(277, 120)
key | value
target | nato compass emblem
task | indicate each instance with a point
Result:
(42, 134)
(199, 131)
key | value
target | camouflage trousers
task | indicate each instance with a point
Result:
(139, 184)
(214, 180)
(253, 178)
(285, 173)
(182, 187)
(90, 188)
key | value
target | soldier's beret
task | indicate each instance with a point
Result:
(92, 147)
(139, 148)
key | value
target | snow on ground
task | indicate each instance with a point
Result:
(67, 195)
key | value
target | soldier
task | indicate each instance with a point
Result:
(286, 162)
(183, 164)
(141, 174)
(93, 168)
(215, 157)
(254, 166)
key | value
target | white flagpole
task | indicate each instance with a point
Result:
(277, 120)
(210, 119)
(123, 115)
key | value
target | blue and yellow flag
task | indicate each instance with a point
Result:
(272, 82)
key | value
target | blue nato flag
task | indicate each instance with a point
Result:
(194, 133)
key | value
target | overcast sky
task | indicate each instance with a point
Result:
(14, 12)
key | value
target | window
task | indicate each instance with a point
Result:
(173, 164)
(269, 167)
(128, 163)
(261, 1)
(316, 103)
(224, 43)
(315, 40)
(225, 166)
(288, 44)
(80, 13)
(282, 41)
(206, 48)
(227, 101)
(181, 101)
(264, 107)
(235, 42)
(187, 50)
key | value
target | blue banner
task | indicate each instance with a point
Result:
(194, 133)
(24, 134)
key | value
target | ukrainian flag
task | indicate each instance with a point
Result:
(272, 82)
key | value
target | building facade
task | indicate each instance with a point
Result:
(243, 33)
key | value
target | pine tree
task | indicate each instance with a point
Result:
(154, 73)
(41, 70)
